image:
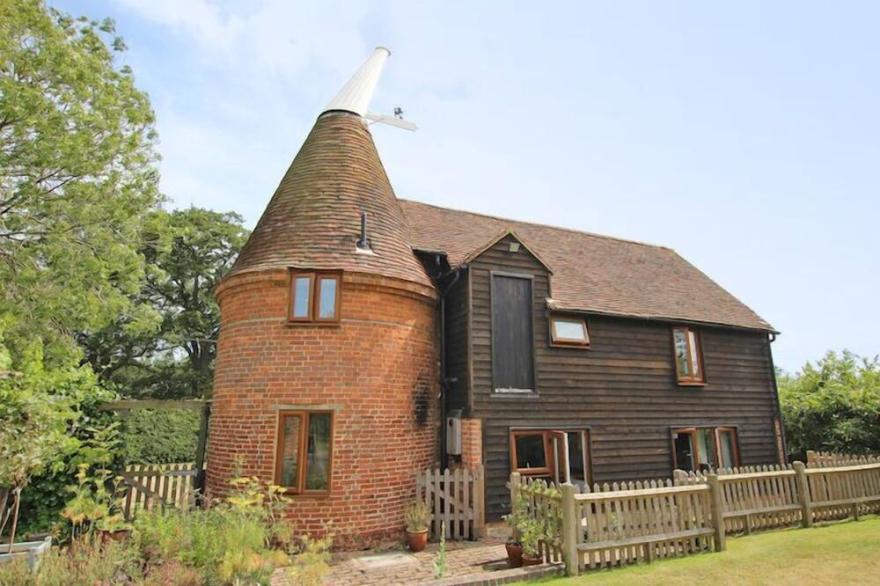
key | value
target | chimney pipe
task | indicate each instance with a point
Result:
(363, 242)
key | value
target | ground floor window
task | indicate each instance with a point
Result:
(303, 459)
(561, 455)
(703, 448)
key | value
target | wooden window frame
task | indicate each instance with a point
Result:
(727, 429)
(716, 439)
(542, 471)
(303, 444)
(549, 455)
(569, 342)
(689, 380)
(314, 301)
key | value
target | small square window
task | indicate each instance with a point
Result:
(314, 297)
(569, 331)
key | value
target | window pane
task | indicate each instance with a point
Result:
(695, 355)
(681, 353)
(327, 299)
(727, 450)
(706, 442)
(289, 450)
(567, 329)
(318, 466)
(576, 457)
(530, 451)
(301, 286)
(684, 452)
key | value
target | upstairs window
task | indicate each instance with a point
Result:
(569, 331)
(303, 459)
(688, 356)
(314, 297)
(513, 366)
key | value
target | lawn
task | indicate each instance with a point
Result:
(842, 553)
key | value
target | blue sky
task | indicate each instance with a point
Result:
(744, 135)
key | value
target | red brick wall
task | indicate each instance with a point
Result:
(373, 370)
(471, 442)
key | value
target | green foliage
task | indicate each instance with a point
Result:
(417, 517)
(833, 405)
(542, 525)
(312, 562)
(96, 502)
(77, 177)
(88, 562)
(165, 346)
(160, 436)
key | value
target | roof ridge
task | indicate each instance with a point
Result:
(539, 224)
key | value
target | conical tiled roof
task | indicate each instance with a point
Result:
(313, 220)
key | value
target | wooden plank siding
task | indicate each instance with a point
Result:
(622, 389)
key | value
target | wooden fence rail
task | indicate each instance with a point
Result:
(644, 521)
(455, 498)
(151, 485)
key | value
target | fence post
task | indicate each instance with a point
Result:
(717, 511)
(514, 495)
(569, 530)
(479, 500)
(680, 477)
(803, 489)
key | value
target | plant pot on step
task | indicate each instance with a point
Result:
(417, 540)
(514, 554)
(530, 560)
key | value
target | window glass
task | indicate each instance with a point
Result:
(327, 298)
(681, 353)
(318, 452)
(301, 296)
(684, 451)
(576, 456)
(706, 443)
(290, 450)
(530, 451)
(570, 330)
(727, 439)
(695, 356)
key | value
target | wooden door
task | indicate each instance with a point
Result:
(513, 365)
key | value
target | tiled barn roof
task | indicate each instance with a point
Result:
(589, 272)
(313, 219)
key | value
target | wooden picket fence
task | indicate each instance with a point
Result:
(631, 522)
(834, 459)
(151, 485)
(543, 501)
(456, 501)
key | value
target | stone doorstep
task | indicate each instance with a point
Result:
(502, 576)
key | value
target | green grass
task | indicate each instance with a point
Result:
(842, 553)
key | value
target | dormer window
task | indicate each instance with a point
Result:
(569, 331)
(688, 356)
(314, 297)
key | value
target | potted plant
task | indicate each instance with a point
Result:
(417, 517)
(513, 545)
(531, 532)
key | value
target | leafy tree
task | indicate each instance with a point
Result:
(77, 177)
(833, 405)
(187, 253)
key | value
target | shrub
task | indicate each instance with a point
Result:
(833, 405)
(86, 562)
(161, 436)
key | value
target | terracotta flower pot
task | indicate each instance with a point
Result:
(417, 540)
(514, 554)
(528, 560)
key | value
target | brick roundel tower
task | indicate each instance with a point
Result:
(327, 365)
